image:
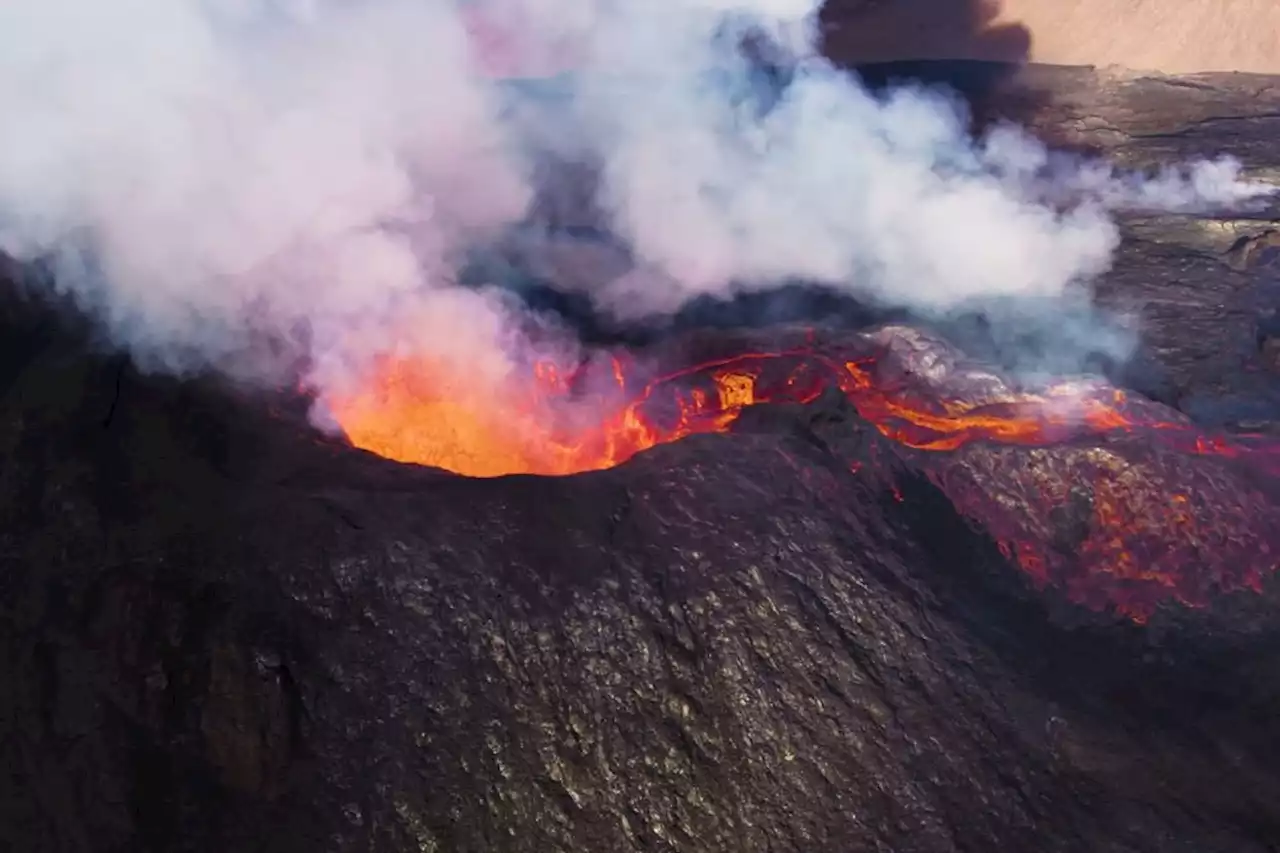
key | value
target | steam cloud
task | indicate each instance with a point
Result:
(207, 171)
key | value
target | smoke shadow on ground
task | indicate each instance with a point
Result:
(857, 32)
(955, 44)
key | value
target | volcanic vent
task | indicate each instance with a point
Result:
(430, 414)
(1122, 502)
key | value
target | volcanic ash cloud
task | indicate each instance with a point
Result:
(205, 172)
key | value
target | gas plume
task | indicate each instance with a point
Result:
(207, 172)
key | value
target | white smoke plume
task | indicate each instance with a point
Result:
(208, 170)
(243, 166)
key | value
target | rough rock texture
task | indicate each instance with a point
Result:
(219, 633)
(1205, 288)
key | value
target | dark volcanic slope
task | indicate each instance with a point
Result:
(220, 634)
(222, 637)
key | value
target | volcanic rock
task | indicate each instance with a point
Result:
(224, 632)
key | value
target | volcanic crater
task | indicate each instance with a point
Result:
(811, 587)
(1123, 502)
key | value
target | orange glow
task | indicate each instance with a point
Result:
(415, 412)
(421, 412)
(1137, 545)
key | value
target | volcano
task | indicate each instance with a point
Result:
(823, 586)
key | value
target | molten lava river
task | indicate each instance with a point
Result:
(1135, 550)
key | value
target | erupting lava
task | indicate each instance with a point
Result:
(1146, 531)
(413, 411)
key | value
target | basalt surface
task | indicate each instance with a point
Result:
(222, 632)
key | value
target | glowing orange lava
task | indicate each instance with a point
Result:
(417, 411)
(1138, 545)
